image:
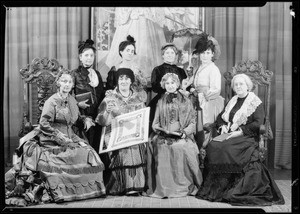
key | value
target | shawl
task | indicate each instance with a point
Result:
(248, 107)
(186, 111)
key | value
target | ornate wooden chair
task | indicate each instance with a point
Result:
(39, 77)
(261, 79)
(39, 84)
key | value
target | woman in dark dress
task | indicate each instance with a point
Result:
(235, 173)
(169, 54)
(88, 79)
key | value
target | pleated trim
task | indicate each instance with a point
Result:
(77, 191)
(128, 167)
(72, 171)
(225, 168)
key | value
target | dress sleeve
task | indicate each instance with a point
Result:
(155, 81)
(47, 117)
(191, 128)
(156, 122)
(99, 89)
(251, 128)
(111, 79)
(214, 84)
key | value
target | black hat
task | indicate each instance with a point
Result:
(125, 71)
(85, 44)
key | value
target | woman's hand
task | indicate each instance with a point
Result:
(88, 123)
(235, 134)
(83, 104)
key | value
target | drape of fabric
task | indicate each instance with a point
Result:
(69, 171)
(263, 33)
(235, 173)
(172, 163)
(32, 32)
(126, 171)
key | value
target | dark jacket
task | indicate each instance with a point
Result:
(82, 86)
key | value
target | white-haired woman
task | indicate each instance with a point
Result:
(57, 165)
(172, 154)
(235, 172)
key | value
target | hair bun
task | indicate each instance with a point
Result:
(130, 39)
(85, 44)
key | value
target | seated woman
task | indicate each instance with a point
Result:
(57, 165)
(172, 154)
(235, 172)
(127, 165)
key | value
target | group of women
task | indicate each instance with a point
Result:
(60, 165)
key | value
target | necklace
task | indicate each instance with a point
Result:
(125, 96)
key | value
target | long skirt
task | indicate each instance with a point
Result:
(236, 175)
(173, 168)
(65, 174)
(127, 170)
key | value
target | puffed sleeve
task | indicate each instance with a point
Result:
(111, 80)
(251, 128)
(155, 81)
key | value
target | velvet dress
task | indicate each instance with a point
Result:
(235, 173)
(126, 170)
(172, 162)
(52, 168)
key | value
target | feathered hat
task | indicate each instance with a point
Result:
(202, 45)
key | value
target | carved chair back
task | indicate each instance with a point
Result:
(39, 84)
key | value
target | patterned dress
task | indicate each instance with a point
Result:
(127, 166)
(172, 162)
(61, 170)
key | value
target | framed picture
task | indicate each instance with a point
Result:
(126, 130)
(150, 27)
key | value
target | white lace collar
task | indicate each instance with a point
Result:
(248, 107)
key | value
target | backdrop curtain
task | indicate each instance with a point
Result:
(265, 34)
(51, 32)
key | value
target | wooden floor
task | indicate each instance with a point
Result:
(189, 203)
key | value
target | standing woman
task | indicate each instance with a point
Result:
(206, 87)
(169, 54)
(127, 51)
(127, 166)
(235, 173)
(172, 159)
(88, 79)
